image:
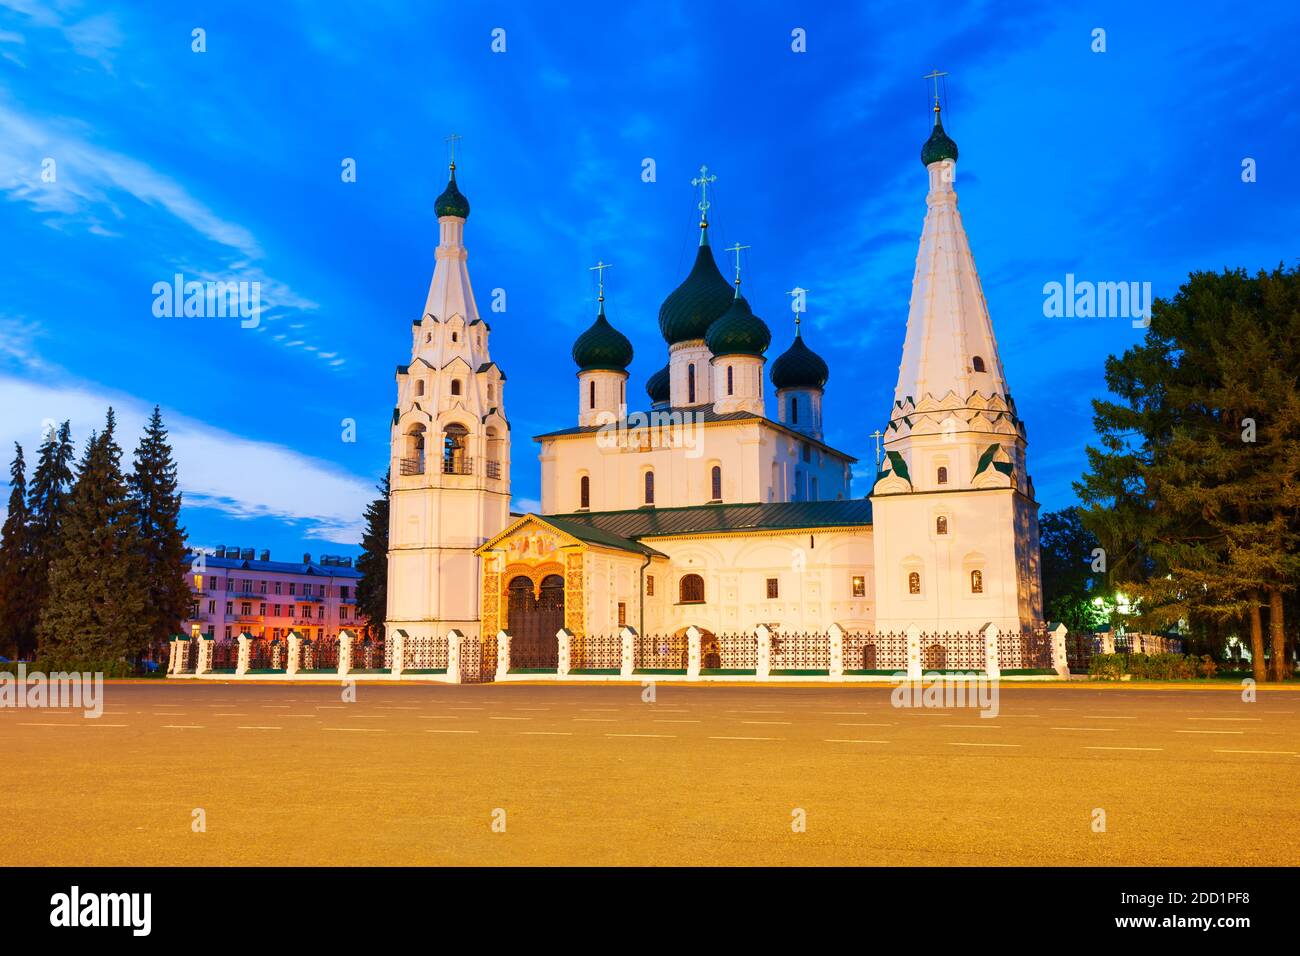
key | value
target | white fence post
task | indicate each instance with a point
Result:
(763, 669)
(241, 665)
(503, 654)
(565, 639)
(346, 639)
(1107, 641)
(626, 658)
(693, 653)
(295, 653)
(992, 666)
(1060, 657)
(913, 652)
(837, 653)
(454, 639)
(172, 645)
(398, 643)
(203, 663)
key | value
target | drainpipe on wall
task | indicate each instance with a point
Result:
(641, 597)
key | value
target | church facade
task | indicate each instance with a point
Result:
(711, 509)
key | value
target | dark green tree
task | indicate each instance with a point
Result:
(1069, 582)
(157, 503)
(95, 611)
(17, 618)
(372, 589)
(47, 500)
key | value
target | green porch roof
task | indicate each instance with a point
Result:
(706, 519)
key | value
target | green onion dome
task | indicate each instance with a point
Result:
(799, 367)
(694, 305)
(939, 146)
(452, 202)
(657, 387)
(738, 331)
(602, 347)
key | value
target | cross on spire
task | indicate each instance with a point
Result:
(451, 147)
(877, 435)
(736, 249)
(934, 75)
(599, 268)
(703, 180)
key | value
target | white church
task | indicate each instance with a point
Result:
(709, 509)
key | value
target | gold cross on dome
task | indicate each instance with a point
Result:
(599, 268)
(736, 249)
(703, 180)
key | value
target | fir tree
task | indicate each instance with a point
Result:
(372, 589)
(47, 499)
(157, 504)
(17, 620)
(95, 611)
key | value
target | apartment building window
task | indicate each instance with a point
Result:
(261, 610)
(277, 587)
(306, 589)
(212, 607)
(277, 610)
(275, 633)
(773, 588)
(230, 607)
(292, 586)
(859, 585)
(230, 584)
(343, 591)
(261, 587)
(214, 583)
(227, 632)
(650, 585)
(245, 608)
(320, 612)
(343, 614)
(194, 610)
(211, 630)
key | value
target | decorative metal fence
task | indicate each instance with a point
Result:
(320, 654)
(948, 651)
(867, 653)
(1080, 646)
(595, 654)
(801, 653)
(534, 652)
(729, 653)
(425, 655)
(478, 660)
(660, 653)
(368, 655)
(189, 652)
(225, 655)
(1027, 650)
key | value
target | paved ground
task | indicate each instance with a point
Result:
(290, 774)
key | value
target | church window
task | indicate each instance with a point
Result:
(941, 524)
(455, 447)
(805, 451)
(622, 614)
(649, 487)
(977, 582)
(914, 583)
(812, 488)
(650, 585)
(773, 588)
(691, 589)
(584, 492)
(716, 480)
(730, 379)
(492, 391)
(455, 386)
(428, 336)
(419, 387)
(859, 585)
(690, 383)
(794, 410)
(977, 363)
(943, 475)
(454, 337)
(591, 394)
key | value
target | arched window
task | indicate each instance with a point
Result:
(428, 336)
(584, 492)
(716, 482)
(977, 363)
(730, 379)
(941, 524)
(794, 410)
(690, 383)
(455, 453)
(591, 394)
(492, 391)
(413, 460)
(419, 387)
(454, 337)
(455, 386)
(943, 475)
(977, 582)
(649, 487)
(691, 589)
(914, 583)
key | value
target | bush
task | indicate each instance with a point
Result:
(109, 669)
(1106, 666)
(1164, 666)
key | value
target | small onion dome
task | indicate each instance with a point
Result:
(657, 387)
(939, 146)
(694, 305)
(452, 202)
(738, 331)
(799, 367)
(602, 347)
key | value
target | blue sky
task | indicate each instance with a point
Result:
(1122, 165)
